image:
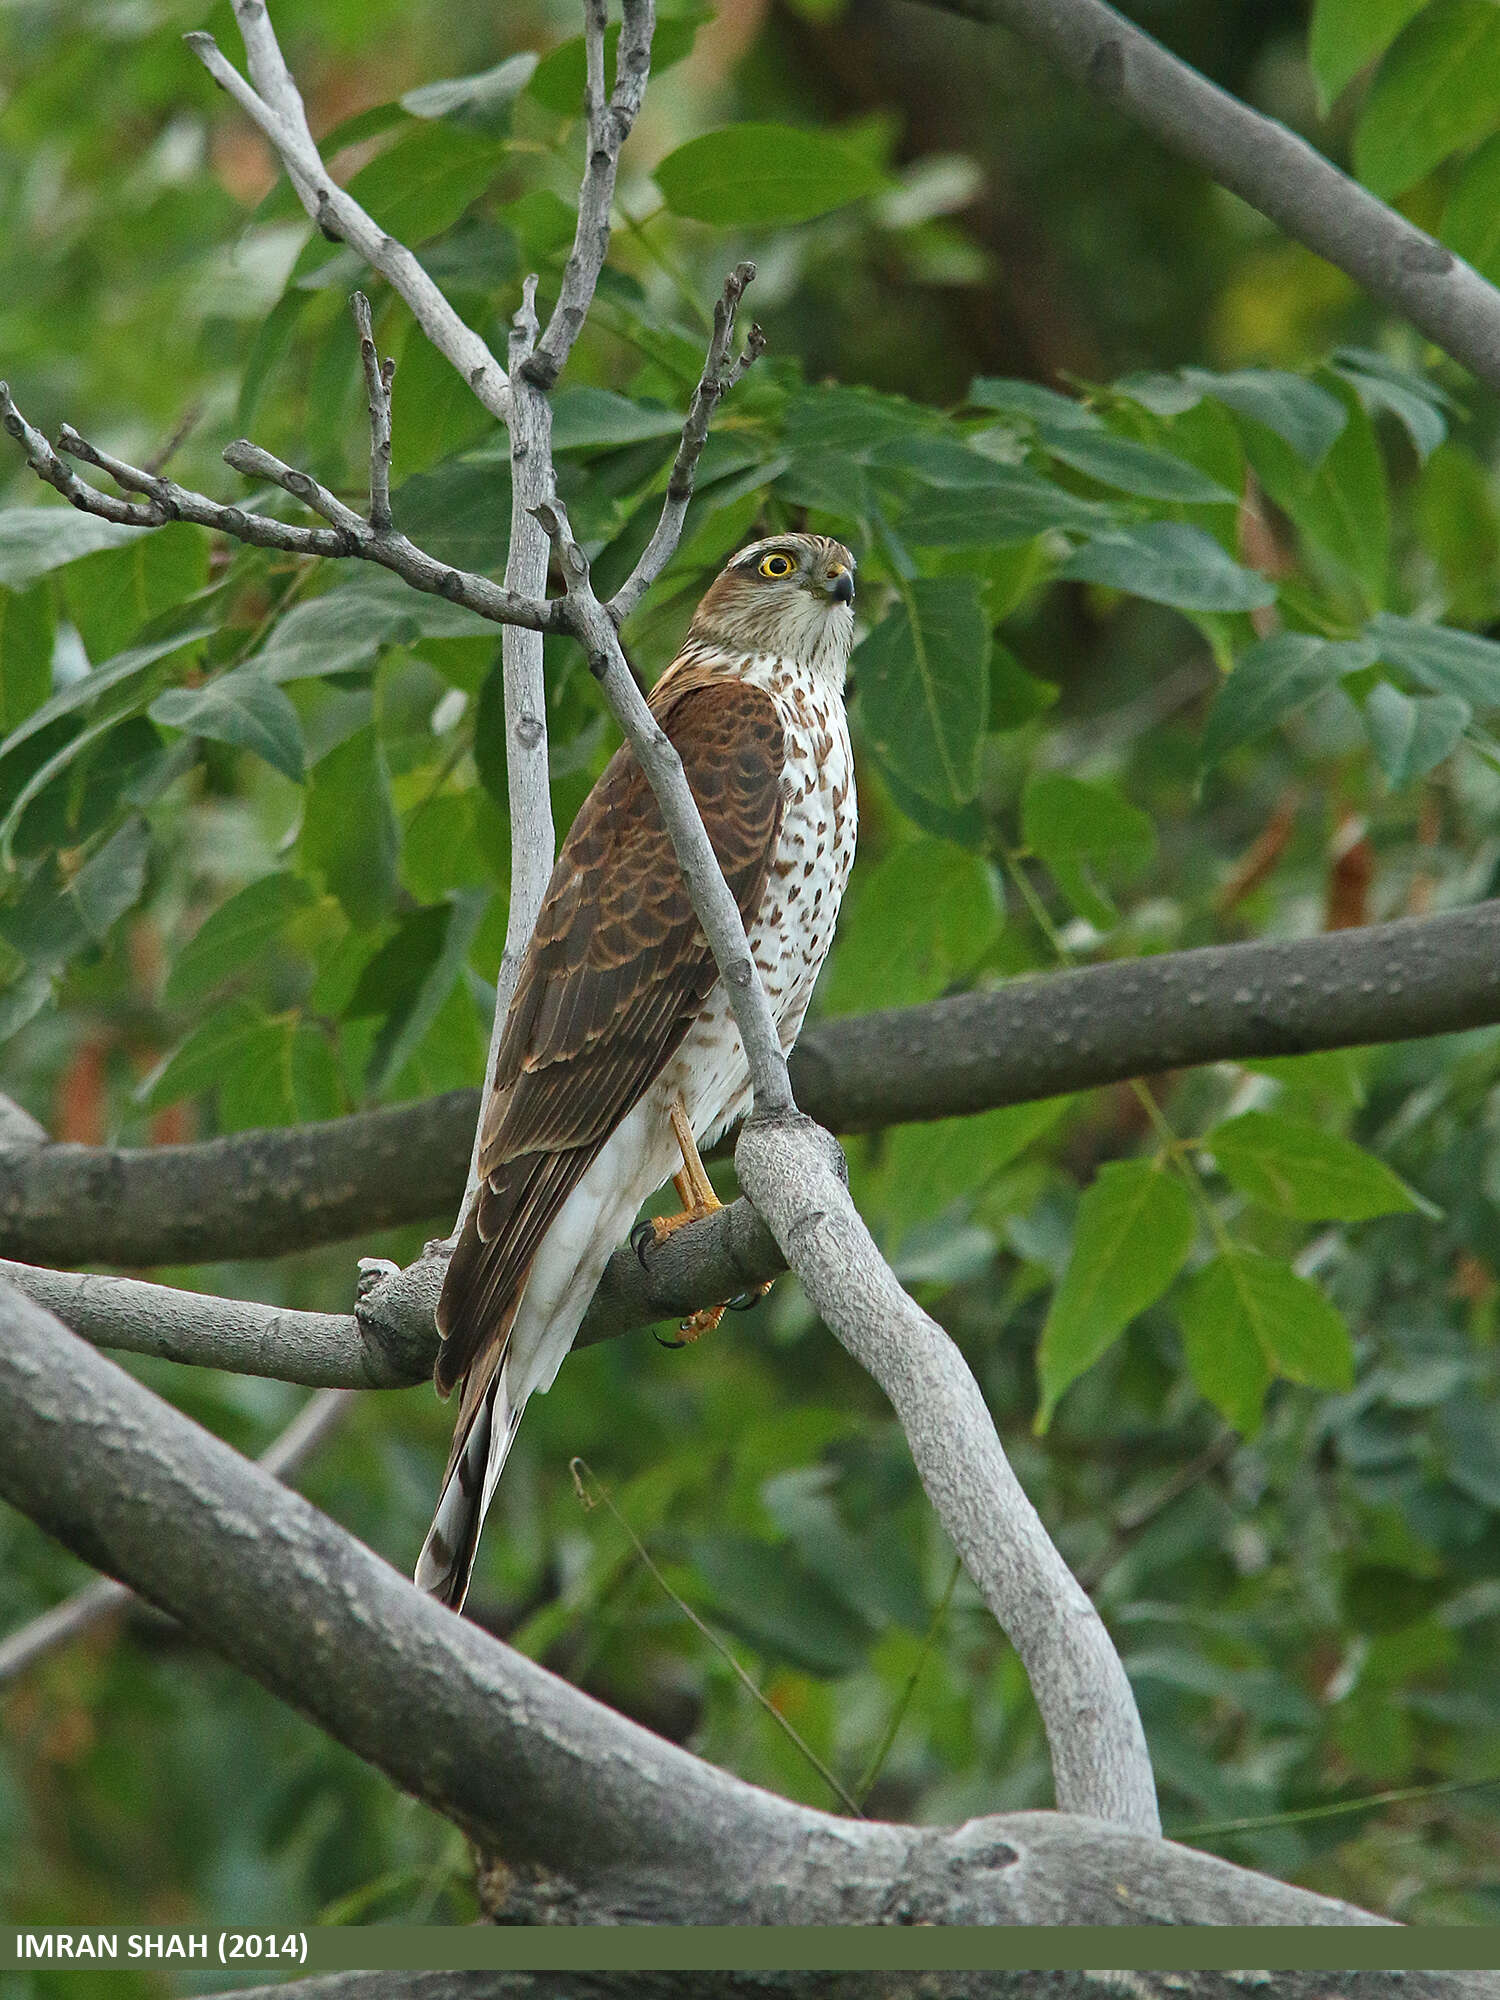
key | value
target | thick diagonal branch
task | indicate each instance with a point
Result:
(100, 1600)
(596, 1818)
(1266, 165)
(794, 1174)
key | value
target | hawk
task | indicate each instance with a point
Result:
(620, 1056)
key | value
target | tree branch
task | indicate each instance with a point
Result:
(101, 1599)
(609, 125)
(533, 840)
(595, 1817)
(262, 1193)
(348, 536)
(274, 103)
(1268, 166)
(720, 373)
(795, 1176)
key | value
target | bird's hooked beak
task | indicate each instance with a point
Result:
(839, 584)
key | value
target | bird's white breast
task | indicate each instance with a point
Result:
(793, 929)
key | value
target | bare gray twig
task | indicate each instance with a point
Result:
(274, 103)
(720, 373)
(348, 536)
(378, 378)
(1266, 165)
(608, 127)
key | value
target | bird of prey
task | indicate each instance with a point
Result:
(620, 1056)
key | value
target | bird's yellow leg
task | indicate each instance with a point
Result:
(695, 1192)
(694, 1189)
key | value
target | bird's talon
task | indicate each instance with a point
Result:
(744, 1302)
(641, 1236)
(672, 1346)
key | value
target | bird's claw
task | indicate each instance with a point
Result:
(744, 1302)
(641, 1236)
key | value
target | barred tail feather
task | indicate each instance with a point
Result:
(447, 1559)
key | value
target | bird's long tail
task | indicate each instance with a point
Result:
(447, 1559)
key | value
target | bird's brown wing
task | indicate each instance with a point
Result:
(613, 978)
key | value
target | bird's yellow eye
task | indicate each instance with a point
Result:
(776, 565)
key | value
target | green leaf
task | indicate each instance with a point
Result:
(1340, 504)
(481, 103)
(199, 1062)
(1271, 680)
(1304, 415)
(26, 634)
(111, 881)
(411, 976)
(940, 461)
(1415, 403)
(1459, 526)
(1345, 35)
(1135, 1229)
(913, 923)
(237, 934)
(1302, 1171)
(103, 679)
(36, 540)
(272, 340)
(1471, 220)
(861, 422)
(930, 1166)
(111, 595)
(1072, 825)
(352, 625)
(588, 416)
(1440, 658)
(1012, 505)
(349, 836)
(421, 185)
(1244, 1297)
(1170, 563)
(1412, 733)
(923, 677)
(1437, 90)
(1224, 1357)
(756, 176)
(460, 514)
(1016, 697)
(1132, 468)
(772, 1600)
(1032, 401)
(245, 708)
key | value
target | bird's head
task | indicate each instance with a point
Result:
(791, 595)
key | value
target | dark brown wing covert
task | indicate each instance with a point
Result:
(615, 975)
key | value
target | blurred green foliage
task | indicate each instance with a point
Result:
(1178, 566)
